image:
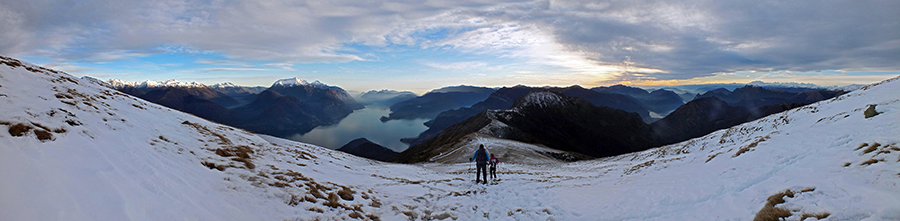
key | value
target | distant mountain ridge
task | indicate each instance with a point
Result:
(430, 104)
(384, 97)
(753, 97)
(659, 101)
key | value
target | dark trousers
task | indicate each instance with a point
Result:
(481, 171)
(493, 172)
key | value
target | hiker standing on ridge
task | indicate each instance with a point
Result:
(493, 162)
(481, 159)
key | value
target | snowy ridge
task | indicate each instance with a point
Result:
(784, 84)
(74, 150)
(541, 99)
(291, 82)
(118, 84)
(223, 85)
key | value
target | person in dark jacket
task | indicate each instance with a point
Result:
(493, 162)
(481, 159)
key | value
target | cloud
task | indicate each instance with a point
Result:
(233, 69)
(456, 65)
(595, 41)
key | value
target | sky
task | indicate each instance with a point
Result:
(419, 45)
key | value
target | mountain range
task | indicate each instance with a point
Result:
(550, 119)
(290, 106)
(505, 97)
(575, 126)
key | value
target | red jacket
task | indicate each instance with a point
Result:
(493, 161)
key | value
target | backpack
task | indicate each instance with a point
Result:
(481, 156)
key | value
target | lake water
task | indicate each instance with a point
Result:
(365, 123)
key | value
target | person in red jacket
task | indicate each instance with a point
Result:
(493, 162)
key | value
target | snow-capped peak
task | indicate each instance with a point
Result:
(116, 83)
(295, 81)
(223, 85)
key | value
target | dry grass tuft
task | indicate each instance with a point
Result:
(861, 146)
(778, 198)
(73, 123)
(346, 193)
(43, 135)
(870, 149)
(770, 212)
(212, 165)
(638, 167)
(870, 161)
(412, 215)
(280, 184)
(821, 215)
(741, 151)
(19, 129)
(712, 156)
(316, 209)
(239, 153)
(333, 201)
(847, 164)
(356, 215)
(375, 203)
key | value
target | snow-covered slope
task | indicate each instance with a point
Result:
(74, 150)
